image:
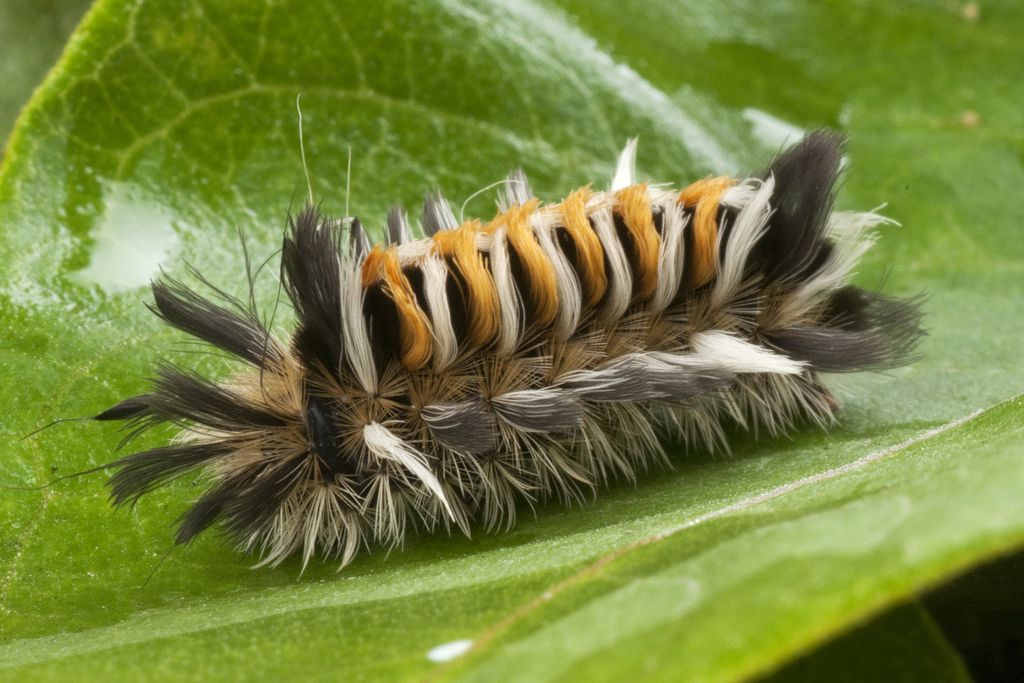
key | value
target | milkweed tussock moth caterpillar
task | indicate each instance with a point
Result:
(434, 382)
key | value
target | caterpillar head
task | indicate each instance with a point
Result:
(275, 440)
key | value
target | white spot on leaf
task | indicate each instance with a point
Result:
(449, 651)
(132, 238)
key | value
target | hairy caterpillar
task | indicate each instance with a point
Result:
(437, 381)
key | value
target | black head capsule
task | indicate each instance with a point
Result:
(321, 432)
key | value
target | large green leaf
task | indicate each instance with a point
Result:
(167, 127)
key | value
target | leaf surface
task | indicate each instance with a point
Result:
(167, 127)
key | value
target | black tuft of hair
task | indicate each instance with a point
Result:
(805, 177)
(136, 406)
(142, 472)
(863, 330)
(311, 266)
(245, 502)
(251, 508)
(241, 334)
(204, 513)
(183, 396)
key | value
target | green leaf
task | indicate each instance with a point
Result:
(729, 593)
(167, 127)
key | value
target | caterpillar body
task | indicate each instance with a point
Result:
(437, 382)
